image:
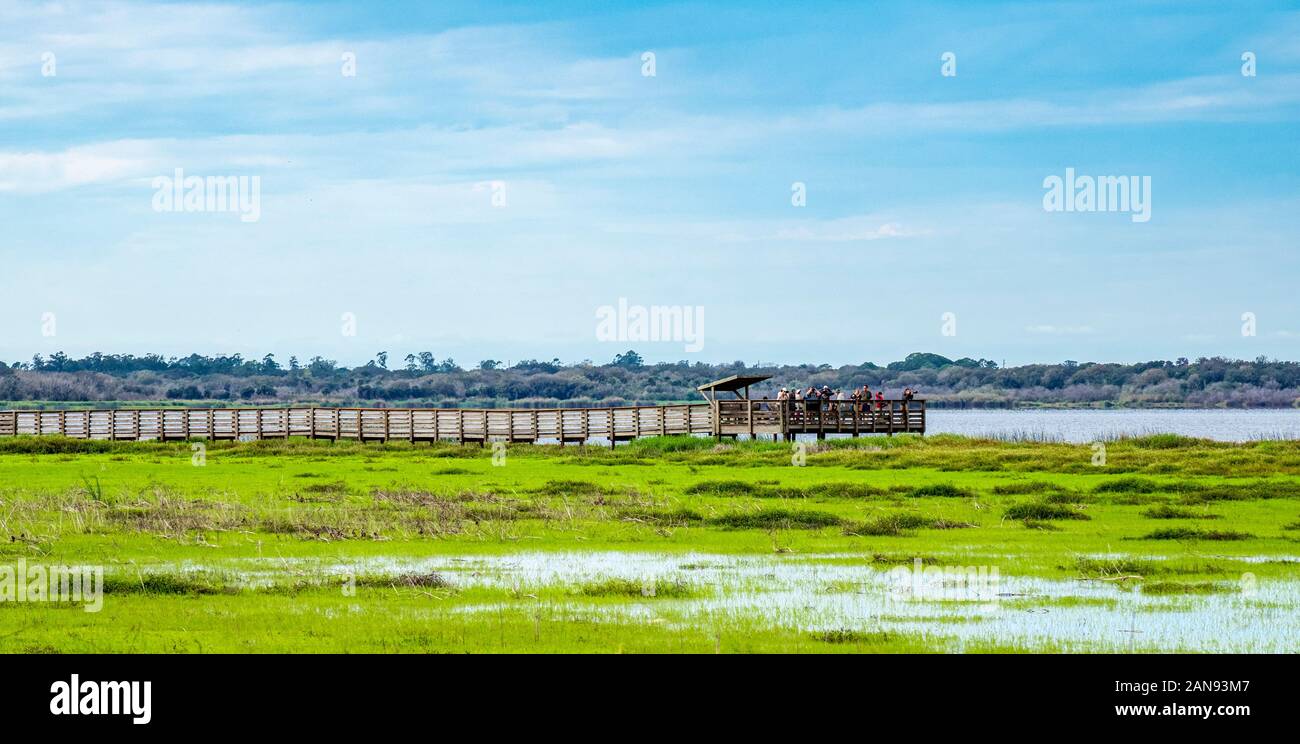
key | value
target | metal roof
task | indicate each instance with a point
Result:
(733, 383)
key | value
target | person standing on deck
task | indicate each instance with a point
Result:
(880, 400)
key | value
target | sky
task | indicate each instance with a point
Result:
(835, 185)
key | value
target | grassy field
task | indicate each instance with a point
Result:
(672, 544)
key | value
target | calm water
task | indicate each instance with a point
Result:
(850, 592)
(1090, 425)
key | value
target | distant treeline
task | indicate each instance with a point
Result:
(424, 380)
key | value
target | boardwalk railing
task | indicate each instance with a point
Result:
(469, 424)
(820, 417)
(365, 424)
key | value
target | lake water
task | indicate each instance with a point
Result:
(1229, 425)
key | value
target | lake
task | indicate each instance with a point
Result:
(1071, 425)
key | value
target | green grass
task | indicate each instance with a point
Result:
(175, 539)
(1040, 512)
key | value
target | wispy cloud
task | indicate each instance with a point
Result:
(652, 186)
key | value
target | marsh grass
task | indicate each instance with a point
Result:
(901, 524)
(1128, 485)
(1121, 566)
(1188, 587)
(1021, 488)
(1191, 533)
(429, 580)
(940, 490)
(770, 519)
(166, 583)
(1041, 511)
(650, 589)
(773, 489)
(570, 488)
(940, 498)
(854, 637)
(1164, 511)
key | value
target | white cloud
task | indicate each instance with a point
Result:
(40, 172)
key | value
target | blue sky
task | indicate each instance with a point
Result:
(924, 191)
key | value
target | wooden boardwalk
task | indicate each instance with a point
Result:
(756, 417)
(563, 425)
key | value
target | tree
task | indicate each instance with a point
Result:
(629, 360)
(320, 367)
(489, 364)
(382, 359)
(920, 360)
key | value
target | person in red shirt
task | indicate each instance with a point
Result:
(880, 400)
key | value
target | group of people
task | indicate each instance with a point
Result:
(861, 398)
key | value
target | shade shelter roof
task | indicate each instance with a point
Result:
(733, 384)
